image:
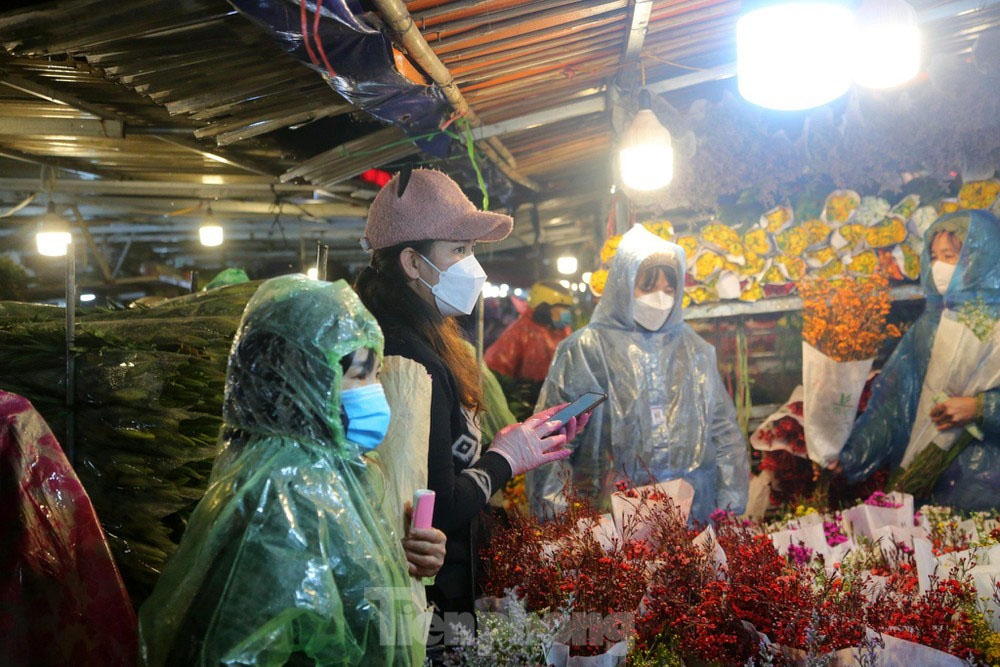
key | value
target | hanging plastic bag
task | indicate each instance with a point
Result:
(62, 601)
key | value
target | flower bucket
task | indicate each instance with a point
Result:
(603, 529)
(812, 537)
(868, 520)
(632, 512)
(831, 393)
(558, 656)
(708, 540)
(894, 653)
(984, 578)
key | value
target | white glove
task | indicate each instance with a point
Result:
(536, 441)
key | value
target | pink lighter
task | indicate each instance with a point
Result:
(423, 508)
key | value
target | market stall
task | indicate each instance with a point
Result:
(810, 188)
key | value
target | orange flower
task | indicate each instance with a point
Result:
(845, 318)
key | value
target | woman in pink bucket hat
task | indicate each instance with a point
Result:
(421, 232)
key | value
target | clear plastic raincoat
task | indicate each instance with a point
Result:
(882, 432)
(667, 415)
(288, 558)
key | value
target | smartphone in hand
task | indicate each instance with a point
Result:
(582, 405)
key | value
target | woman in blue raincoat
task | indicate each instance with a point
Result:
(668, 414)
(290, 557)
(960, 265)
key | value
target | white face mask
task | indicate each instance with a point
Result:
(458, 287)
(942, 272)
(651, 310)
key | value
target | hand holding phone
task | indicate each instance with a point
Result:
(535, 442)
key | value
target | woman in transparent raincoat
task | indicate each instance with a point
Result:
(667, 415)
(882, 433)
(288, 558)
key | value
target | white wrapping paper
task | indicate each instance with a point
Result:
(831, 393)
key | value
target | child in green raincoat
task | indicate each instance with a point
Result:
(290, 557)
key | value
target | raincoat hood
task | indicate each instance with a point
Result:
(286, 356)
(978, 271)
(615, 308)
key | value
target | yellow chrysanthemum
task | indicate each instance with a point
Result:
(597, 281)
(840, 205)
(754, 264)
(609, 249)
(889, 232)
(706, 265)
(773, 276)
(793, 241)
(795, 267)
(816, 232)
(911, 262)
(662, 228)
(757, 241)
(776, 219)
(752, 292)
(979, 194)
(948, 206)
(821, 257)
(722, 237)
(864, 263)
(690, 245)
(852, 233)
(831, 270)
(907, 206)
(702, 294)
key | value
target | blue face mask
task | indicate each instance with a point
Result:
(565, 319)
(367, 415)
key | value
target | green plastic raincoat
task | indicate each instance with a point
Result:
(288, 559)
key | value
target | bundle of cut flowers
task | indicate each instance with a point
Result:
(846, 318)
(740, 592)
(578, 562)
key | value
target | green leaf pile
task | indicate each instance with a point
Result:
(149, 389)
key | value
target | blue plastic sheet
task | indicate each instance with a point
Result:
(362, 61)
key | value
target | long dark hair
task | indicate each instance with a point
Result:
(383, 289)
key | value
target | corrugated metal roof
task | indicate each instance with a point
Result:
(205, 96)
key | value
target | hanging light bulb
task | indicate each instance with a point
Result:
(566, 265)
(646, 157)
(210, 233)
(791, 56)
(886, 51)
(53, 233)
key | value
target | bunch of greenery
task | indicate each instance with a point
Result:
(148, 409)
